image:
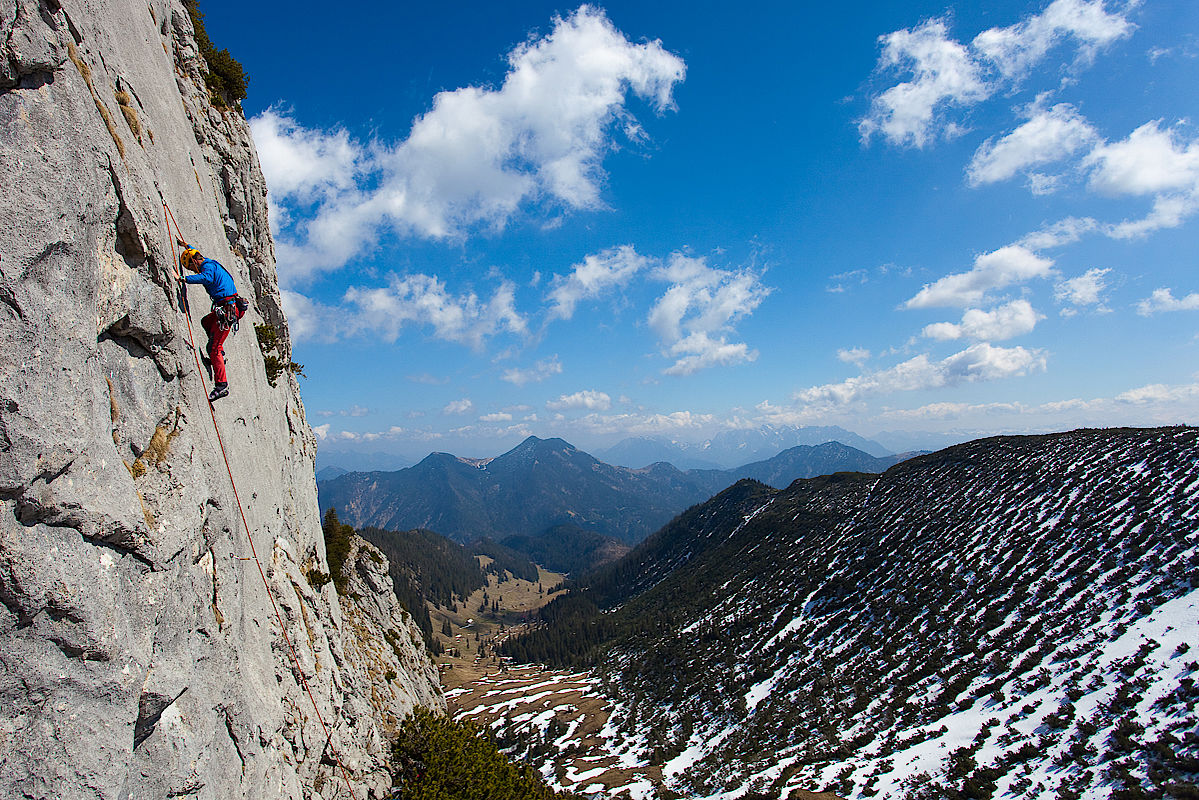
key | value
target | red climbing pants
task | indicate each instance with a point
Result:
(216, 346)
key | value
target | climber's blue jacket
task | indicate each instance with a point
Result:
(215, 278)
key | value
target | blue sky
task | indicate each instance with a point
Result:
(495, 220)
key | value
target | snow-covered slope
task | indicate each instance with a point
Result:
(1012, 617)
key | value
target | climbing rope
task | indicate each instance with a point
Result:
(170, 220)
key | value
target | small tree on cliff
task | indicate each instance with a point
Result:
(337, 546)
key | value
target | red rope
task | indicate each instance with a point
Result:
(170, 219)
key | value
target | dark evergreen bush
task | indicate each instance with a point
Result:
(438, 759)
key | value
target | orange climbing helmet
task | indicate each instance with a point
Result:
(185, 258)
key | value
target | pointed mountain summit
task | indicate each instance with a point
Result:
(539, 484)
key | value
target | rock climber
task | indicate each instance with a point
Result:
(227, 309)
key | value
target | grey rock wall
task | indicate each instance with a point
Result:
(140, 654)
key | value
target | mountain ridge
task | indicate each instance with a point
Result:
(730, 449)
(543, 483)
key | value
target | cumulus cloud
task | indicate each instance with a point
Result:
(418, 300)
(943, 73)
(462, 406)
(946, 73)
(1000, 268)
(855, 355)
(478, 155)
(308, 319)
(697, 312)
(1085, 290)
(693, 319)
(303, 166)
(979, 362)
(1155, 162)
(499, 416)
(424, 300)
(1164, 300)
(1005, 322)
(1016, 49)
(587, 399)
(1050, 135)
(321, 431)
(595, 276)
(1150, 161)
(543, 369)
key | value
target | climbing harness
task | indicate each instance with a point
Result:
(170, 219)
(229, 310)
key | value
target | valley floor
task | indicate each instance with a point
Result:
(557, 721)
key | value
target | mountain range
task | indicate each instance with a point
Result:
(548, 484)
(1012, 617)
(728, 449)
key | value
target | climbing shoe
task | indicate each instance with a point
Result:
(218, 391)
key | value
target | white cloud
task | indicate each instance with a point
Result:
(302, 165)
(321, 431)
(856, 355)
(856, 276)
(1005, 322)
(943, 411)
(1158, 393)
(995, 270)
(943, 73)
(478, 154)
(595, 276)
(1016, 49)
(1151, 161)
(1060, 233)
(1085, 290)
(692, 319)
(424, 300)
(1050, 135)
(979, 362)
(699, 351)
(498, 416)
(695, 314)
(462, 406)
(588, 399)
(947, 73)
(307, 319)
(1164, 300)
(540, 371)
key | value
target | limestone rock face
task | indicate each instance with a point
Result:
(140, 653)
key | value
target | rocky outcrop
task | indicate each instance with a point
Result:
(140, 653)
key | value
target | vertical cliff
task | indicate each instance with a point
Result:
(140, 654)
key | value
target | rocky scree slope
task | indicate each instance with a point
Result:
(139, 652)
(1013, 617)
